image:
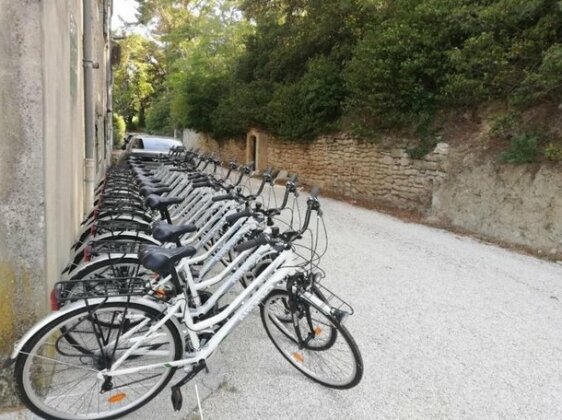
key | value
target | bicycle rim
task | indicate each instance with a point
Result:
(329, 354)
(109, 269)
(56, 379)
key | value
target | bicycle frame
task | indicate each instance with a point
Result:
(233, 314)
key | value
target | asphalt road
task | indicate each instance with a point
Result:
(448, 328)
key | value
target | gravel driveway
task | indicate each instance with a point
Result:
(448, 327)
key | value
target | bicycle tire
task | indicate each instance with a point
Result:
(25, 368)
(298, 355)
(114, 268)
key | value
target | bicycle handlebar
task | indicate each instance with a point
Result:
(234, 217)
(314, 192)
(222, 198)
(262, 239)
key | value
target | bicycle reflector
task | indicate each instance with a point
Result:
(87, 253)
(54, 300)
(298, 357)
(117, 398)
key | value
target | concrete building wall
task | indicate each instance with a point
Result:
(191, 139)
(22, 193)
(42, 150)
(64, 128)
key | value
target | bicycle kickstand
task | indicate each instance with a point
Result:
(177, 399)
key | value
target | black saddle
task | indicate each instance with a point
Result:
(165, 232)
(161, 260)
(146, 191)
(148, 179)
(155, 202)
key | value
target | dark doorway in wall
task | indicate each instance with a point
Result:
(253, 151)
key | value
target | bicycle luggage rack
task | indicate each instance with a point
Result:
(72, 290)
(102, 226)
(342, 308)
(110, 246)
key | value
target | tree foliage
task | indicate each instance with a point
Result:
(299, 68)
(138, 77)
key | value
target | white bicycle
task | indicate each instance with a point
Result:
(104, 357)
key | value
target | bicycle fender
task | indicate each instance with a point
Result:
(18, 346)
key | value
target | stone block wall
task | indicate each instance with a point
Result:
(361, 170)
(345, 166)
(226, 149)
(519, 205)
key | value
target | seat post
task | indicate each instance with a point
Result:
(175, 279)
(166, 215)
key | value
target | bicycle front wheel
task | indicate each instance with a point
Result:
(57, 378)
(317, 345)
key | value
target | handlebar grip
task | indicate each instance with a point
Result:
(252, 243)
(314, 192)
(222, 198)
(195, 176)
(275, 174)
(234, 217)
(201, 184)
(293, 178)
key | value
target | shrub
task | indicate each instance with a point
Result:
(158, 116)
(119, 129)
(197, 101)
(545, 82)
(553, 152)
(309, 106)
(244, 106)
(506, 126)
(422, 149)
(523, 149)
(420, 56)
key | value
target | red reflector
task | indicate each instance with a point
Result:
(87, 253)
(93, 230)
(54, 300)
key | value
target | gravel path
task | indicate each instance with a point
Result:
(448, 327)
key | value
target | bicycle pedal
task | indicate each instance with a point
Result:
(177, 398)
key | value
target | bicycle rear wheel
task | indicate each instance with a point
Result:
(325, 352)
(57, 378)
(110, 269)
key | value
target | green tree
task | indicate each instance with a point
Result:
(137, 78)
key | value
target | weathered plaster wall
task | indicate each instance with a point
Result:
(517, 204)
(41, 154)
(64, 133)
(191, 139)
(22, 194)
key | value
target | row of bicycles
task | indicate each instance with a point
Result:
(175, 254)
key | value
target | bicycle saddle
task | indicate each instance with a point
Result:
(146, 191)
(161, 260)
(165, 232)
(155, 202)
